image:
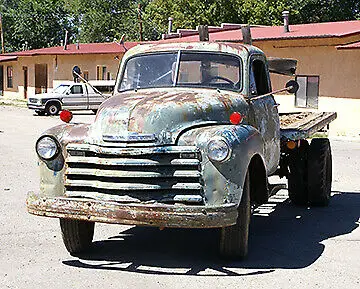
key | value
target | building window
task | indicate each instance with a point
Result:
(9, 77)
(308, 94)
(86, 75)
(101, 72)
(109, 76)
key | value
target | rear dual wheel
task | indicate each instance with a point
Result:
(310, 173)
(319, 172)
(297, 178)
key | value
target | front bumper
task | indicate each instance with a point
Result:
(157, 215)
(35, 106)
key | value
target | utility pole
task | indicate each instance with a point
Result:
(2, 36)
(140, 22)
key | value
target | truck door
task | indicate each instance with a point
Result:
(75, 98)
(263, 110)
(95, 99)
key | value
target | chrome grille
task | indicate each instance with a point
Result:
(169, 174)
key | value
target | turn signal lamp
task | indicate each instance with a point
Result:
(291, 145)
(66, 116)
(236, 118)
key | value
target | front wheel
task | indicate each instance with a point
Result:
(77, 235)
(234, 239)
(52, 108)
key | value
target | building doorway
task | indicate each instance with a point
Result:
(1, 80)
(40, 78)
(25, 69)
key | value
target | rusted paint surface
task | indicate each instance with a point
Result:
(164, 112)
(223, 181)
(158, 215)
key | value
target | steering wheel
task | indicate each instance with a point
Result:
(222, 78)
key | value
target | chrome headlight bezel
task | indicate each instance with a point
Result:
(52, 145)
(217, 144)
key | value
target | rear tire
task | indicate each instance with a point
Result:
(319, 172)
(234, 239)
(52, 108)
(298, 175)
(77, 235)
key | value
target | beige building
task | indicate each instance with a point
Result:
(34, 71)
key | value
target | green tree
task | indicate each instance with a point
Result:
(325, 10)
(35, 24)
(189, 14)
(105, 20)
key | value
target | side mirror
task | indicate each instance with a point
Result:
(292, 86)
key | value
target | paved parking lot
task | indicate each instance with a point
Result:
(289, 247)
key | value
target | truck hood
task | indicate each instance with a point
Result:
(159, 116)
(46, 95)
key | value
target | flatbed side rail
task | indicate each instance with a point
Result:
(295, 126)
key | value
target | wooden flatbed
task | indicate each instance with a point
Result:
(301, 125)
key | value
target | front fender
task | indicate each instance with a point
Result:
(223, 181)
(52, 172)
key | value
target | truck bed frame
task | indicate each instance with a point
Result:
(301, 125)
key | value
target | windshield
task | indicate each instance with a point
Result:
(182, 69)
(61, 88)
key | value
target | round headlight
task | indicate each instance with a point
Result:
(218, 150)
(47, 148)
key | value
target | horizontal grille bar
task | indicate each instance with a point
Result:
(133, 174)
(132, 186)
(131, 151)
(131, 161)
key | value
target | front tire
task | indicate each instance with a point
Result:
(319, 172)
(234, 239)
(77, 235)
(52, 108)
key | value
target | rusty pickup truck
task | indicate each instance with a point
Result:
(188, 140)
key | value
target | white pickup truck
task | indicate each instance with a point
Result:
(72, 96)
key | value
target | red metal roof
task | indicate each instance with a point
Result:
(7, 58)
(313, 30)
(84, 48)
(355, 45)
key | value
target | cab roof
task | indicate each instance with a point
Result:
(228, 47)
